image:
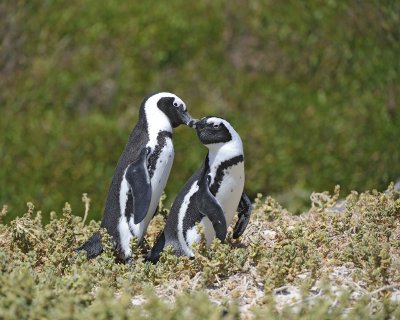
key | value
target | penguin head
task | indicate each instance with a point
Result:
(214, 130)
(174, 108)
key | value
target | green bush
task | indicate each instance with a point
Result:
(312, 88)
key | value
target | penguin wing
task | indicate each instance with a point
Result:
(244, 211)
(209, 207)
(139, 181)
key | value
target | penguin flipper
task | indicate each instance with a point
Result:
(244, 211)
(139, 181)
(209, 207)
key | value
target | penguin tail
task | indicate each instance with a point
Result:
(154, 255)
(92, 247)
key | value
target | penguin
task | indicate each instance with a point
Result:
(141, 174)
(211, 196)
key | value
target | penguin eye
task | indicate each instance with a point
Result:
(216, 126)
(175, 104)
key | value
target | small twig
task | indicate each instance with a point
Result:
(25, 230)
(356, 286)
(86, 201)
(334, 304)
(388, 287)
(308, 299)
(245, 286)
(218, 281)
(196, 280)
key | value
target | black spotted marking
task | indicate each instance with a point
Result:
(161, 143)
(219, 175)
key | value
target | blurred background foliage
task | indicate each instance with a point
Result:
(313, 87)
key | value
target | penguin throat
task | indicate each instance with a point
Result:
(219, 159)
(156, 121)
(217, 172)
(219, 152)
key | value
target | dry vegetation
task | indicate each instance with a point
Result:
(324, 263)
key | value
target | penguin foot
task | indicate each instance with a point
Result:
(152, 258)
(92, 247)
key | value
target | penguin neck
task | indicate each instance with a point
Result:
(220, 152)
(156, 121)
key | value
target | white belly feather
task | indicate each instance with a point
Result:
(228, 196)
(158, 182)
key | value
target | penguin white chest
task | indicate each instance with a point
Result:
(160, 164)
(162, 169)
(230, 190)
(228, 196)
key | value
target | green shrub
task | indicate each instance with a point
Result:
(312, 88)
(345, 264)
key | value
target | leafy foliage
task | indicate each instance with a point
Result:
(346, 265)
(316, 83)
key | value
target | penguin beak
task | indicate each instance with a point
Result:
(192, 123)
(185, 117)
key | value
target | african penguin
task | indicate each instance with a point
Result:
(141, 174)
(211, 196)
